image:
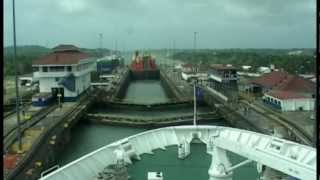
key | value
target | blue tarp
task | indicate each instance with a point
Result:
(199, 94)
(107, 65)
(69, 82)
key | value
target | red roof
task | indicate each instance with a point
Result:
(282, 81)
(61, 58)
(222, 67)
(296, 84)
(285, 95)
(271, 79)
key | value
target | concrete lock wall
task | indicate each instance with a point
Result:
(123, 86)
(46, 154)
(169, 89)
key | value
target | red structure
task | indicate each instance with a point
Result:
(146, 62)
(10, 161)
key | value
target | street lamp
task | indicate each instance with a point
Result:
(195, 40)
(59, 98)
(195, 103)
(194, 44)
(16, 76)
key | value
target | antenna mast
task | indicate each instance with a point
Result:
(100, 44)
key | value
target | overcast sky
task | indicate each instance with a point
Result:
(139, 24)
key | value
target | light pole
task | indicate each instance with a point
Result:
(195, 40)
(16, 76)
(59, 100)
(100, 44)
(195, 103)
(194, 45)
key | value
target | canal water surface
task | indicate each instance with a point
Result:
(145, 92)
(87, 137)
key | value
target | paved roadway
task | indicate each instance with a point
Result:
(300, 118)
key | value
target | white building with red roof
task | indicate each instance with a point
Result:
(223, 81)
(285, 91)
(64, 71)
(192, 71)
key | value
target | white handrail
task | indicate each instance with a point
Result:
(48, 170)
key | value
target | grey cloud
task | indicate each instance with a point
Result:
(155, 23)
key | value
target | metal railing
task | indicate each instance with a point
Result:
(49, 170)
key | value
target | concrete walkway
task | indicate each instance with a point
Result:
(11, 122)
(299, 131)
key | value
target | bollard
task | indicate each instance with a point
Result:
(219, 165)
(183, 150)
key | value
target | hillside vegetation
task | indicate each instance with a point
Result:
(27, 54)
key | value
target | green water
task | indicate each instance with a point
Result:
(146, 92)
(86, 137)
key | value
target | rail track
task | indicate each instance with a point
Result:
(296, 130)
(10, 109)
(12, 134)
(56, 121)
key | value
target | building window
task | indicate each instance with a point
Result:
(69, 69)
(57, 79)
(35, 69)
(45, 69)
(57, 68)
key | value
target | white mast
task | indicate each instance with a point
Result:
(194, 105)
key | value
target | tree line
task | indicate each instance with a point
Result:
(296, 64)
(27, 54)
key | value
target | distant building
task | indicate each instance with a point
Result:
(245, 68)
(264, 70)
(107, 64)
(295, 53)
(285, 91)
(178, 67)
(308, 76)
(64, 71)
(188, 71)
(192, 72)
(223, 80)
(223, 73)
(27, 80)
(189, 68)
(289, 100)
(267, 81)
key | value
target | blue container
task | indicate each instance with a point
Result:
(42, 99)
(106, 66)
(199, 94)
